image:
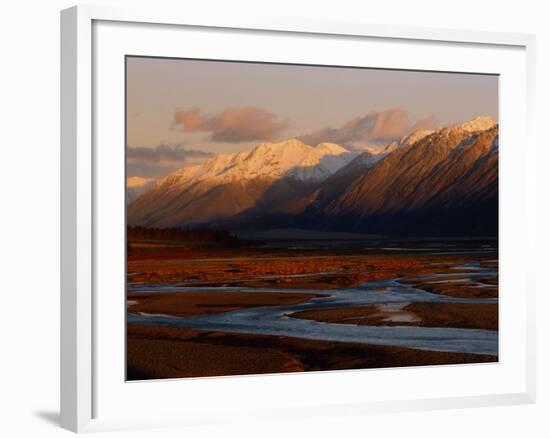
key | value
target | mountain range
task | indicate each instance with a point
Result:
(430, 183)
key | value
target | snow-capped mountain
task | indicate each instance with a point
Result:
(475, 125)
(444, 183)
(408, 140)
(428, 183)
(290, 158)
(242, 178)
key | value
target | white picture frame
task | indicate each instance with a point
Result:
(81, 336)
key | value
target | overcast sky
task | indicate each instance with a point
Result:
(180, 111)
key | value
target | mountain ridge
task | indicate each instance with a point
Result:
(278, 171)
(416, 186)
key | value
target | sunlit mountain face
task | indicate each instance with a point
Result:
(441, 182)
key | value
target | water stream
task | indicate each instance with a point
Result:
(277, 320)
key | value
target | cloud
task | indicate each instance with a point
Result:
(163, 152)
(233, 125)
(160, 160)
(427, 123)
(375, 128)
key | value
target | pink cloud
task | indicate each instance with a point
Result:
(372, 127)
(233, 125)
(375, 128)
(427, 123)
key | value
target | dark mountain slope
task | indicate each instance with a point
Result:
(446, 184)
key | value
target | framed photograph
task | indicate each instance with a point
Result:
(281, 217)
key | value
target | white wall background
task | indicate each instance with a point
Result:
(29, 217)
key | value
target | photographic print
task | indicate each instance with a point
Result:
(290, 218)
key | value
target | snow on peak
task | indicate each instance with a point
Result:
(333, 157)
(217, 163)
(416, 136)
(408, 140)
(470, 127)
(391, 147)
(290, 158)
(330, 149)
(481, 123)
(284, 147)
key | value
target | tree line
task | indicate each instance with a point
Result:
(182, 234)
